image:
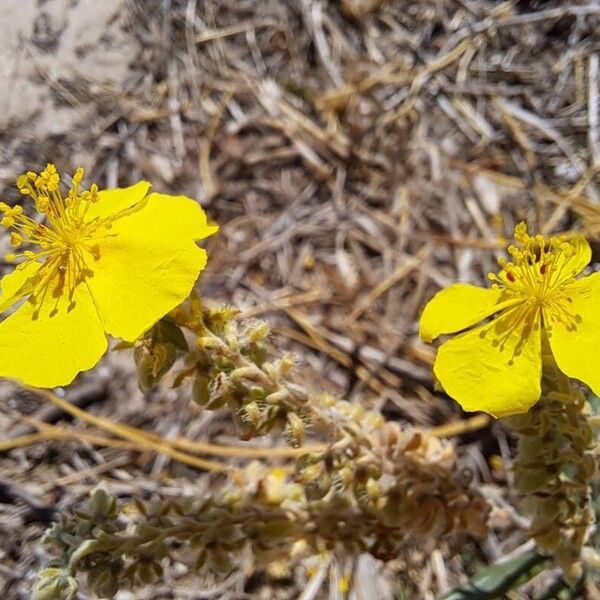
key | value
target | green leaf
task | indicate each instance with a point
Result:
(492, 582)
(166, 331)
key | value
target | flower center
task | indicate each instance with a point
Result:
(540, 272)
(64, 242)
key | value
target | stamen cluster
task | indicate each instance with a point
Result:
(62, 242)
(538, 267)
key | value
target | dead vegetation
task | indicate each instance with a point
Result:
(358, 154)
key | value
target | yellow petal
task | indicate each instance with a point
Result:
(575, 337)
(175, 215)
(569, 266)
(47, 345)
(148, 264)
(495, 368)
(116, 200)
(457, 307)
(15, 284)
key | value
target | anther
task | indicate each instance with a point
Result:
(42, 204)
(94, 193)
(78, 177)
(16, 239)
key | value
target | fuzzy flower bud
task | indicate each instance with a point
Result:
(54, 584)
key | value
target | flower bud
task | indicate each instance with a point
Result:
(54, 584)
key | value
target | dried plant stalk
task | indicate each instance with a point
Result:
(374, 487)
(554, 468)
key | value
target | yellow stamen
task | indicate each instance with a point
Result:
(67, 238)
(539, 274)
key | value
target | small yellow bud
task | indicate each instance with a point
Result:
(260, 332)
(344, 583)
(373, 489)
(272, 489)
(299, 549)
(295, 429)
(309, 262)
(279, 569)
(496, 462)
(286, 364)
(252, 413)
(327, 400)
(311, 571)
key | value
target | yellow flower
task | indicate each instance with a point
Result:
(536, 305)
(101, 262)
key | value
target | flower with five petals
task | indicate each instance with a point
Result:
(98, 262)
(537, 304)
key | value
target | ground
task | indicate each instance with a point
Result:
(358, 155)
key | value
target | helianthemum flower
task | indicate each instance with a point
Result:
(98, 262)
(536, 304)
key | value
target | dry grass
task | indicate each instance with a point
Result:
(359, 154)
